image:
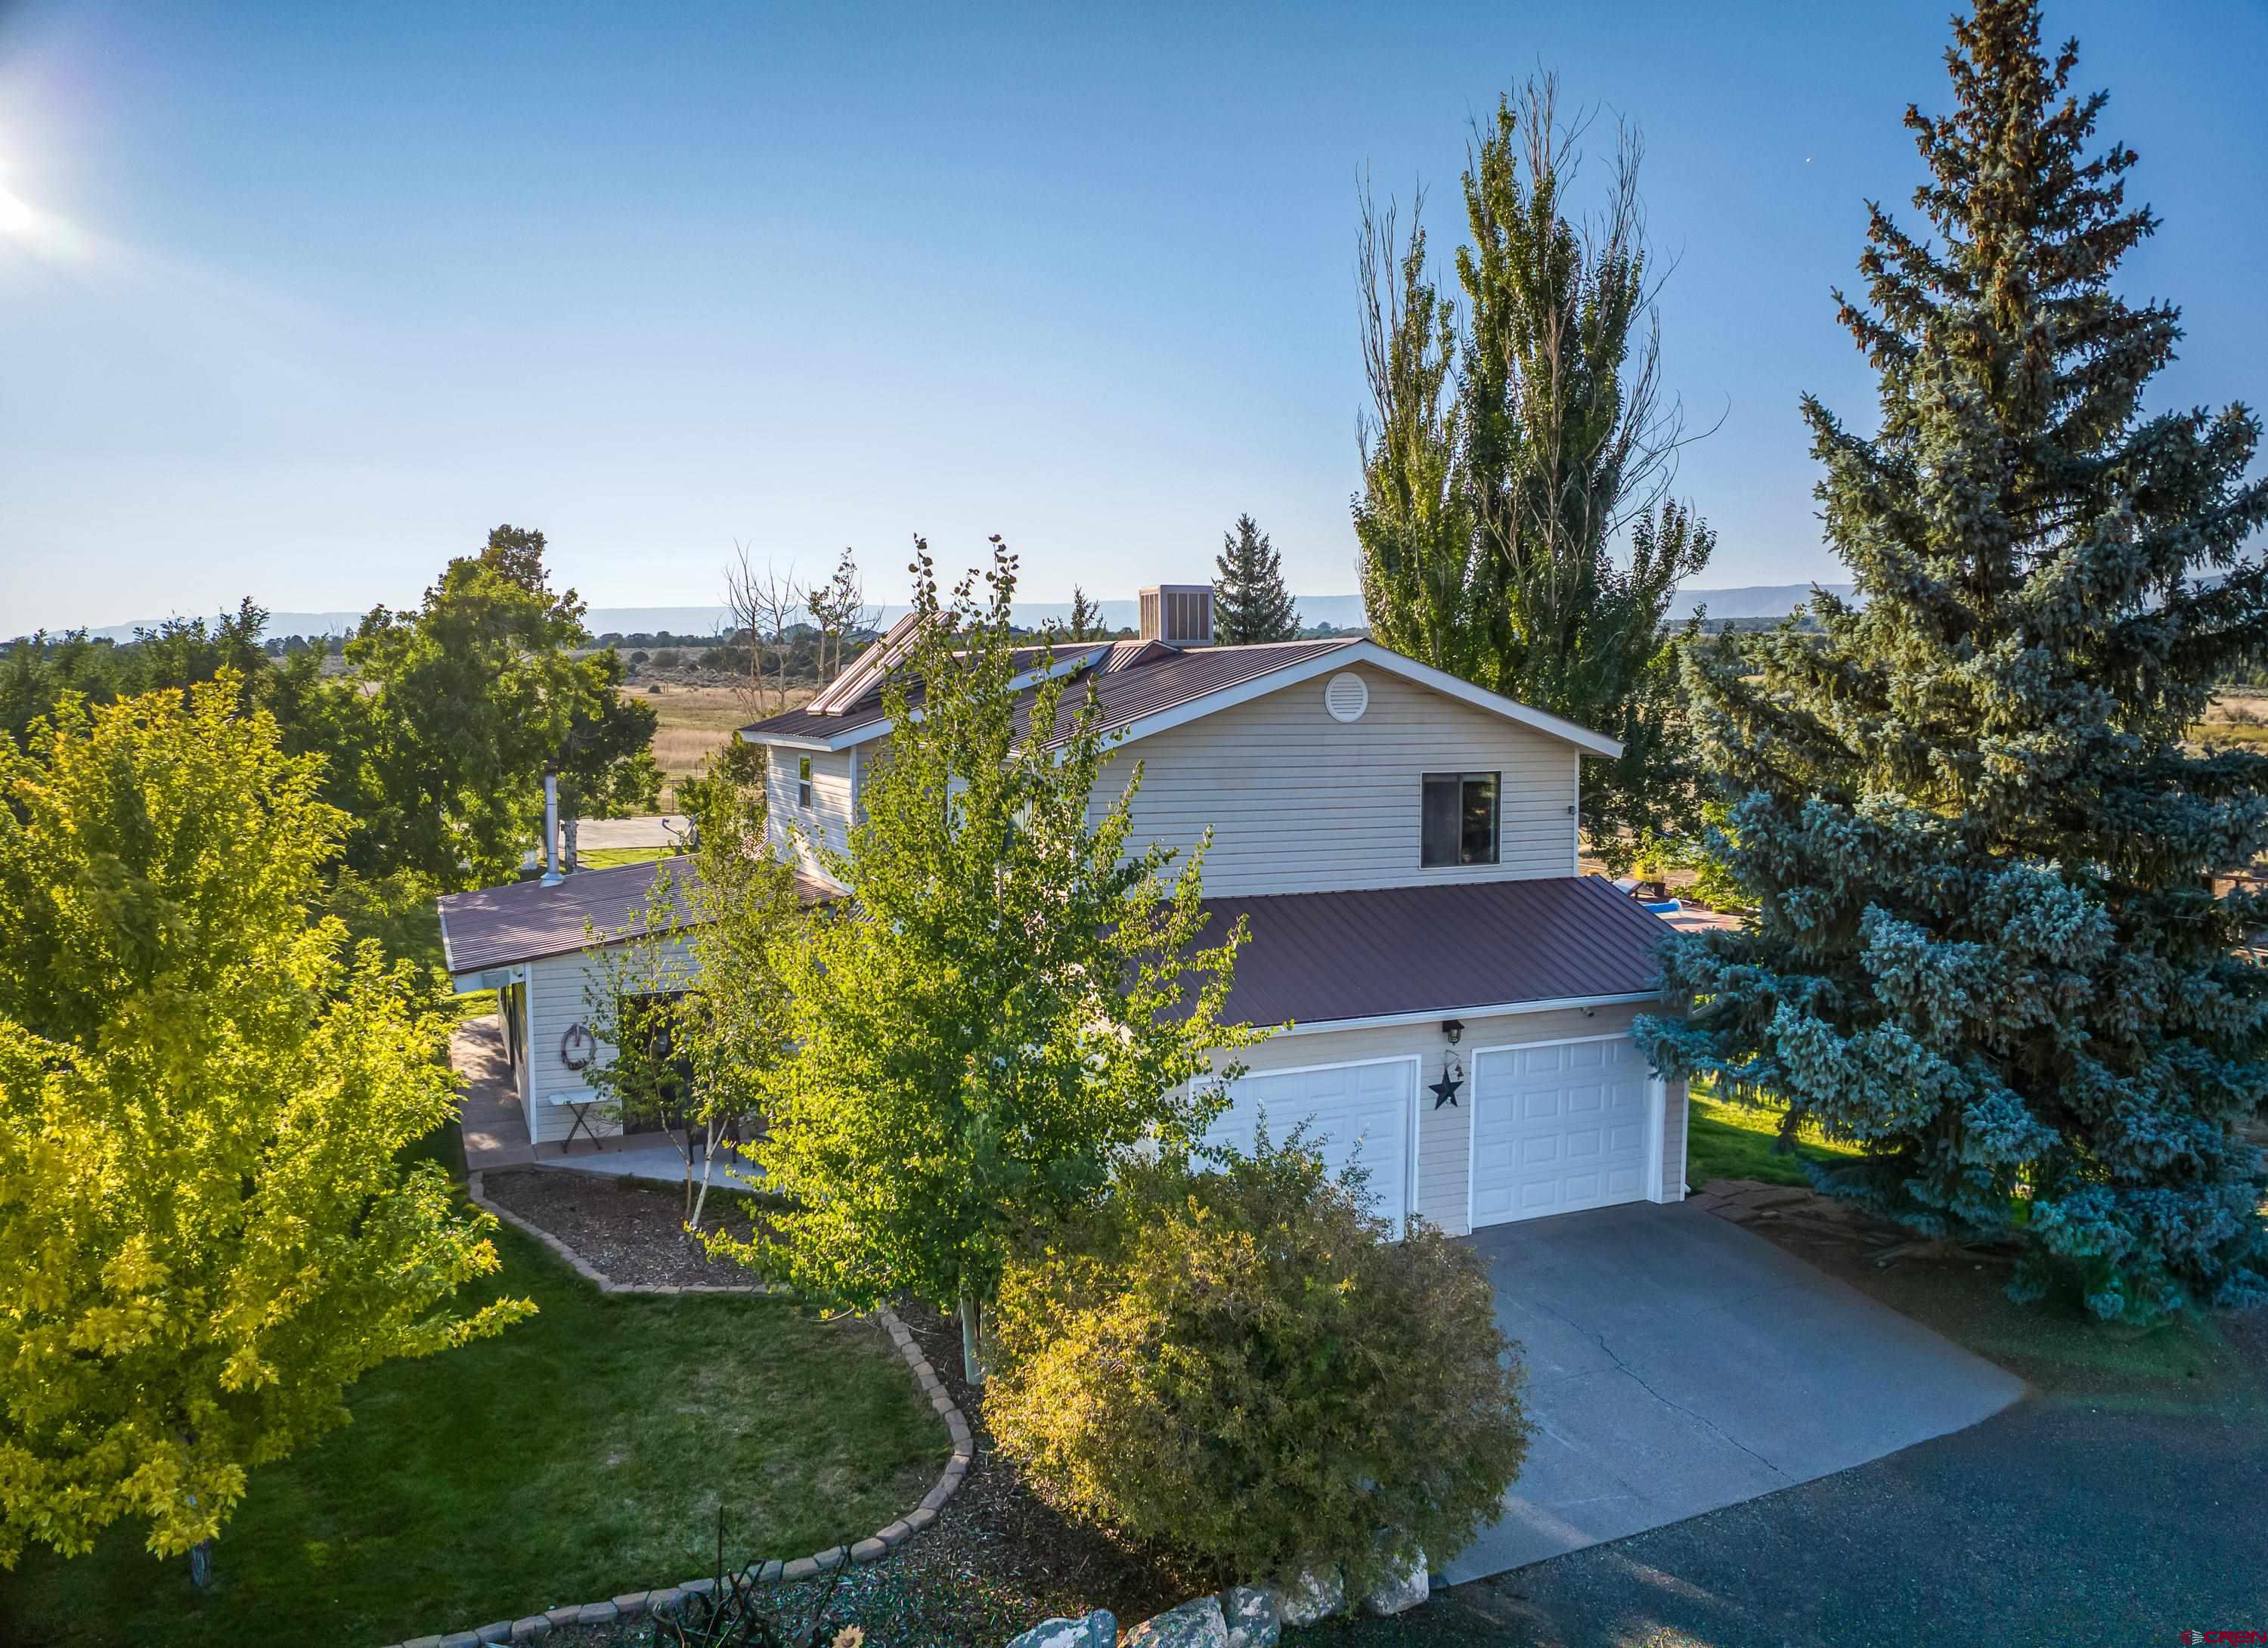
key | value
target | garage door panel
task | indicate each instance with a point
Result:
(1355, 1113)
(1557, 1128)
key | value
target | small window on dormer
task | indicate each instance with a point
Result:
(1459, 821)
(803, 783)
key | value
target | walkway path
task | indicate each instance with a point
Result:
(495, 1132)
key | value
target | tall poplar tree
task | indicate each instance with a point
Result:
(1988, 946)
(1249, 601)
(1515, 523)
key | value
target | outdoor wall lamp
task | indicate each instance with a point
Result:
(1455, 1029)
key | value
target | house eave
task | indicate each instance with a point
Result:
(1369, 652)
(1471, 1010)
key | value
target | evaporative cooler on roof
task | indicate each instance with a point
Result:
(1179, 614)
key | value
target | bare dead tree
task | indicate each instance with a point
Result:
(764, 607)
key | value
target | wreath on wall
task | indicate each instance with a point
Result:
(575, 1047)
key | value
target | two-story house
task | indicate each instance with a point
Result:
(1402, 847)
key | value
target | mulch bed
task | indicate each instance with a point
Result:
(631, 1229)
(997, 1560)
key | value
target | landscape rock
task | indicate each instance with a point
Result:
(1398, 1592)
(1308, 1598)
(1098, 1630)
(1250, 1611)
(532, 1628)
(1197, 1623)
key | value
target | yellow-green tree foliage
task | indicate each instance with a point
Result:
(207, 1229)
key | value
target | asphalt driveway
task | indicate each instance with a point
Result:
(1677, 1364)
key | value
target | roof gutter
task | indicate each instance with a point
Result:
(1435, 1015)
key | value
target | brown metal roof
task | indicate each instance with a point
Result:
(1320, 956)
(1178, 677)
(1136, 680)
(504, 926)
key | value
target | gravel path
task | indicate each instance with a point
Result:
(632, 1231)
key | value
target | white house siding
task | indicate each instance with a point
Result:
(1301, 803)
(557, 1001)
(1444, 1156)
(833, 797)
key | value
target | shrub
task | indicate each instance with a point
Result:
(666, 658)
(1242, 1363)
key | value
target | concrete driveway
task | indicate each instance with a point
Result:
(1677, 1364)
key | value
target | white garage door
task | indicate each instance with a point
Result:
(1558, 1127)
(1355, 1113)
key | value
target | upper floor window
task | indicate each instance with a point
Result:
(1460, 820)
(803, 783)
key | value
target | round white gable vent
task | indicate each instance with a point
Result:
(1345, 696)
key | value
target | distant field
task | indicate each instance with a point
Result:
(2238, 717)
(693, 721)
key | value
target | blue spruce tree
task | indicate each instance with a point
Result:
(1988, 944)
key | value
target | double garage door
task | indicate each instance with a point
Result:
(1555, 1127)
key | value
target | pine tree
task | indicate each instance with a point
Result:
(1987, 946)
(1249, 601)
(1086, 622)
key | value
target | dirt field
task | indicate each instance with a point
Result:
(2239, 716)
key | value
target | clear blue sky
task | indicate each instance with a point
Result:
(298, 300)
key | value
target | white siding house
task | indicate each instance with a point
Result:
(1453, 998)
(1299, 801)
(1310, 763)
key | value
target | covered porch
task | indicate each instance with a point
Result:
(495, 1124)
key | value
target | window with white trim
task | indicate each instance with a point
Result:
(1459, 812)
(803, 783)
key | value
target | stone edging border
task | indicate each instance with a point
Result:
(634, 1604)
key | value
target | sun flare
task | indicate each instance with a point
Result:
(18, 220)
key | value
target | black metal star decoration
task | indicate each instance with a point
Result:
(1444, 1091)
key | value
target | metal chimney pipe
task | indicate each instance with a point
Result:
(551, 876)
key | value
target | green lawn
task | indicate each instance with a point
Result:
(583, 1453)
(607, 857)
(1733, 1141)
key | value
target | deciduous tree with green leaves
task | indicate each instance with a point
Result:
(1515, 522)
(1988, 946)
(748, 915)
(207, 1229)
(688, 998)
(469, 699)
(1013, 996)
(1249, 601)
